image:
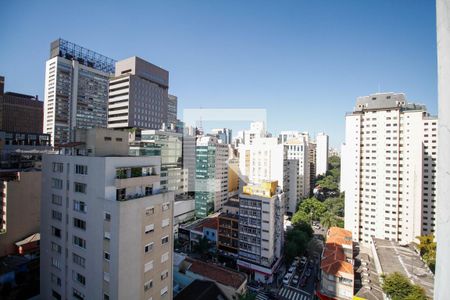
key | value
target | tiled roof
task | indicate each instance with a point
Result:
(339, 236)
(216, 273)
(334, 260)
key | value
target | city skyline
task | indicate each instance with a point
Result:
(225, 66)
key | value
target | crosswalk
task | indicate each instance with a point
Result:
(293, 294)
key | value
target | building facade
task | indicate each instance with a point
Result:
(76, 90)
(172, 110)
(20, 205)
(389, 169)
(211, 175)
(138, 95)
(261, 235)
(322, 146)
(19, 112)
(106, 227)
(299, 183)
(337, 273)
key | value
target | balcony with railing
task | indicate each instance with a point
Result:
(136, 176)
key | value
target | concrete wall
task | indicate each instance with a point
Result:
(23, 200)
(442, 286)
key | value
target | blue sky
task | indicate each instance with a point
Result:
(303, 61)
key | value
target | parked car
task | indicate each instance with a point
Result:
(292, 269)
(286, 278)
(303, 260)
(295, 280)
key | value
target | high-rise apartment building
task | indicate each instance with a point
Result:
(211, 175)
(76, 90)
(257, 130)
(297, 149)
(263, 160)
(389, 169)
(106, 227)
(312, 148)
(138, 95)
(261, 236)
(19, 112)
(321, 154)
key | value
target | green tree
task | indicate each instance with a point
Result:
(301, 217)
(297, 240)
(335, 205)
(427, 249)
(202, 247)
(313, 207)
(328, 220)
(398, 287)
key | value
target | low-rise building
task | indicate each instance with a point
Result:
(192, 233)
(390, 257)
(337, 265)
(228, 241)
(186, 270)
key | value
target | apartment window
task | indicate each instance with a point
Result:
(106, 255)
(81, 261)
(107, 235)
(79, 223)
(56, 232)
(77, 294)
(57, 199)
(81, 169)
(58, 167)
(56, 247)
(107, 216)
(79, 242)
(165, 240)
(56, 263)
(57, 183)
(79, 206)
(165, 223)
(80, 187)
(55, 279)
(56, 295)
(164, 274)
(148, 285)
(148, 247)
(150, 210)
(165, 206)
(148, 266)
(149, 228)
(165, 257)
(106, 276)
(105, 297)
(108, 138)
(56, 215)
(79, 278)
(164, 291)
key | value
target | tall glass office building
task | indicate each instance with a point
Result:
(76, 90)
(168, 145)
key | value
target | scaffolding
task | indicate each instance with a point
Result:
(89, 58)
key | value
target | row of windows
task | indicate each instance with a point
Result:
(58, 167)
